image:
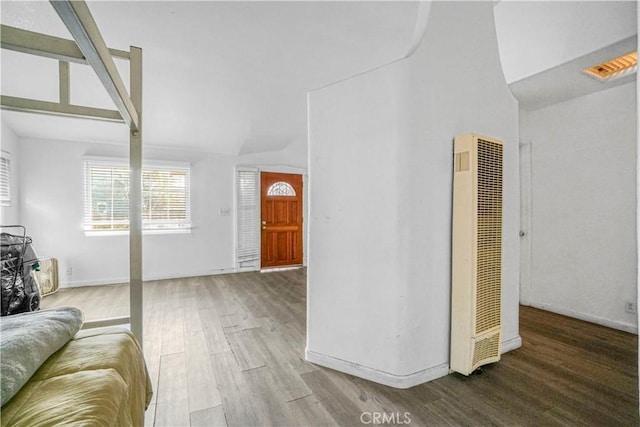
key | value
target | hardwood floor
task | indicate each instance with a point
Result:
(229, 350)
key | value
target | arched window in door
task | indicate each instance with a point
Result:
(281, 188)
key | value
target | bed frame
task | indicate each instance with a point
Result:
(88, 47)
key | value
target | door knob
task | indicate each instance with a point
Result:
(522, 233)
(264, 222)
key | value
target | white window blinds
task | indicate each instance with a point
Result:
(5, 181)
(165, 197)
(248, 239)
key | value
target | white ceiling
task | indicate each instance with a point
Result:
(568, 80)
(545, 46)
(226, 77)
(232, 77)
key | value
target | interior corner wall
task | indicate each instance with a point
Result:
(51, 205)
(354, 272)
(466, 93)
(583, 197)
(380, 165)
(10, 214)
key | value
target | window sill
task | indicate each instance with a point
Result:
(110, 233)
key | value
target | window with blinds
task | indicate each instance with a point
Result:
(5, 181)
(165, 197)
(248, 226)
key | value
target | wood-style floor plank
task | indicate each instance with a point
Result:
(310, 408)
(341, 407)
(237, 397)
(229, 350)
(201, 383)
(172, 385)
(210, 417)
(173, 413)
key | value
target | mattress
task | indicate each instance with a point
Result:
(98, 378)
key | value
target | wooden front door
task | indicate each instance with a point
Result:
(281, 216)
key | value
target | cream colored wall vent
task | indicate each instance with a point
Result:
(476, 295)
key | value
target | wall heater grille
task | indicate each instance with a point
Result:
(489, 235)
(476, 253)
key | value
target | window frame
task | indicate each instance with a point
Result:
(275, 189)
(5, 172)
(184, 226)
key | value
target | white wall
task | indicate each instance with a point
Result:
(355, 273)
(535, 36)
(52, 206)
(380, 164)
(583, 219)
(10, 215)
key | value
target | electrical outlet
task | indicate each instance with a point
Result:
(630, 307)
(69, 270)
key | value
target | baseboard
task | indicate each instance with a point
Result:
(279, 269)
(511, 344)
(125, 280)
(627, 327)
(375, 375)
(102, 282)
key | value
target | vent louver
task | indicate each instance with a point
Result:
(489, 257)
(476, 296)
(616, 67)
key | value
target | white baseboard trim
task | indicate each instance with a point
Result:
(627, 327)
(125, 280)
(510, 345)
(277, 269)
(102, 282)
(375, 375)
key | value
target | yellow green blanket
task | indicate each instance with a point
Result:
(98, 377)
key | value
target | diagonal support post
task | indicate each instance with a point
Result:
(77, 17)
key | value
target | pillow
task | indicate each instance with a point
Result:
(28, 339)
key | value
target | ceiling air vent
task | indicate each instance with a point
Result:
(615, 68)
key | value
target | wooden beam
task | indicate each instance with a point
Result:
(112, 321)
(13, 103)
(135, 199)
(47, 46)
(83, 28)
(65, 82)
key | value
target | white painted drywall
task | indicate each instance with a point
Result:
(10, 215)
(52, 203)
(380, 165)
(534, 36)
(583, 206)
(355, 274)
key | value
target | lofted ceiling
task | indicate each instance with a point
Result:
(545, 46)
(232, 77)
(225, 77)
(568, 81)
